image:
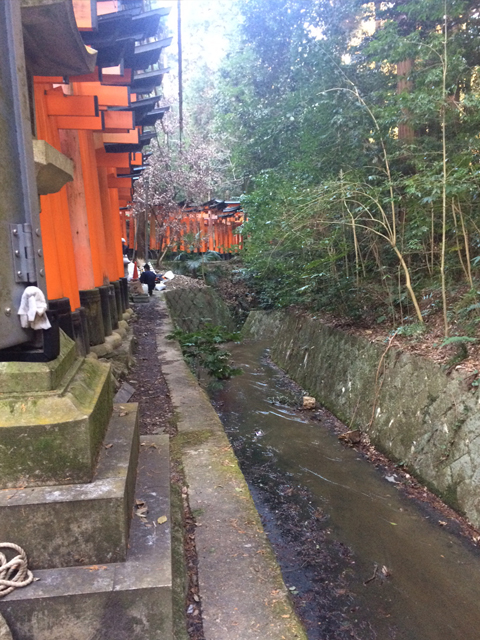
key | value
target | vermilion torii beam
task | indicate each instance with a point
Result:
(124, 138)
(112, 75)
(78, 123)
(117, 160)
(108, 96)
(118, 121)
(119, 183)
(59, 104)
(136, 159)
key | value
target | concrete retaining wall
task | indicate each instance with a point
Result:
(191, 308)
(422, 417)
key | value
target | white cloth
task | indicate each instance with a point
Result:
(32, 309)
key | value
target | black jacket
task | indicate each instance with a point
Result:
(148, 278)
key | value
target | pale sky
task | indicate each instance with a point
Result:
(205, 28)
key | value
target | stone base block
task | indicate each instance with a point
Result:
(121, 360)
(140, 298)
(66, 525)
(120, 601)
(28, 377)
(121, 331)
(111, 343)
(53, 437)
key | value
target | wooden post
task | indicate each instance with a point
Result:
(131, 233)
(93, 201)
(117, 229)
(111, 241)
(152, 239)
(77, 208)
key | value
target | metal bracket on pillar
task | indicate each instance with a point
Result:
(23, 252)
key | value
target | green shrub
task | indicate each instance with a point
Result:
(202, 352)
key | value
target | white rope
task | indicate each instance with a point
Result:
(13, 573)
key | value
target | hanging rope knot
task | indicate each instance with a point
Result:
(13, 573)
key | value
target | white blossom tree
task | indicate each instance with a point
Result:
(178, 175)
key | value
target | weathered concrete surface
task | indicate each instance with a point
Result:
(121, 359)
(421, 416)
(53, 169)
(121, 601)
(190, 308)
(53, 437)
(241, 587)
(68, 525)
(4, 630)
(24, 377)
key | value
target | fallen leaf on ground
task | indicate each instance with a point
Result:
(162, 519)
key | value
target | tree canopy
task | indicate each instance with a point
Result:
(355, 126)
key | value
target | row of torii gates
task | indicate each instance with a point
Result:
(212, 226)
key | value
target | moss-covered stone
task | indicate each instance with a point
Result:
(26, 377)
(67, 525)
(54, 437)
(191, 308)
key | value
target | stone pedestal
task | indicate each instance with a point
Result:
(118, 299)
(90, 299)
(124, 288)
(106, 308)
(129, 600)
(68, 476)
(53, 417)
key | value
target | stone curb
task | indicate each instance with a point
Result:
(241, 587)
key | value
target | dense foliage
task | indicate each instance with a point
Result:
(356, 128)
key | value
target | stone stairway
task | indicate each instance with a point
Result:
(99, 575)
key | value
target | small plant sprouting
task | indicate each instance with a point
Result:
(202, 352)
(461, 344)
(410, 330)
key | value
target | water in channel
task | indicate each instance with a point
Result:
(389, 570)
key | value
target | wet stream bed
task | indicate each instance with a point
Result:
(359, 556)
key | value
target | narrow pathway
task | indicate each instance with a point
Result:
(239, 592)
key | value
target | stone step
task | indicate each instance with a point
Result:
(119, 601)
(52, 437)
(79, 524)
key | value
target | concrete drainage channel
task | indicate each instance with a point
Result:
(433, 588)
(242, 590)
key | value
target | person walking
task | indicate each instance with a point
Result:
(148, 277)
